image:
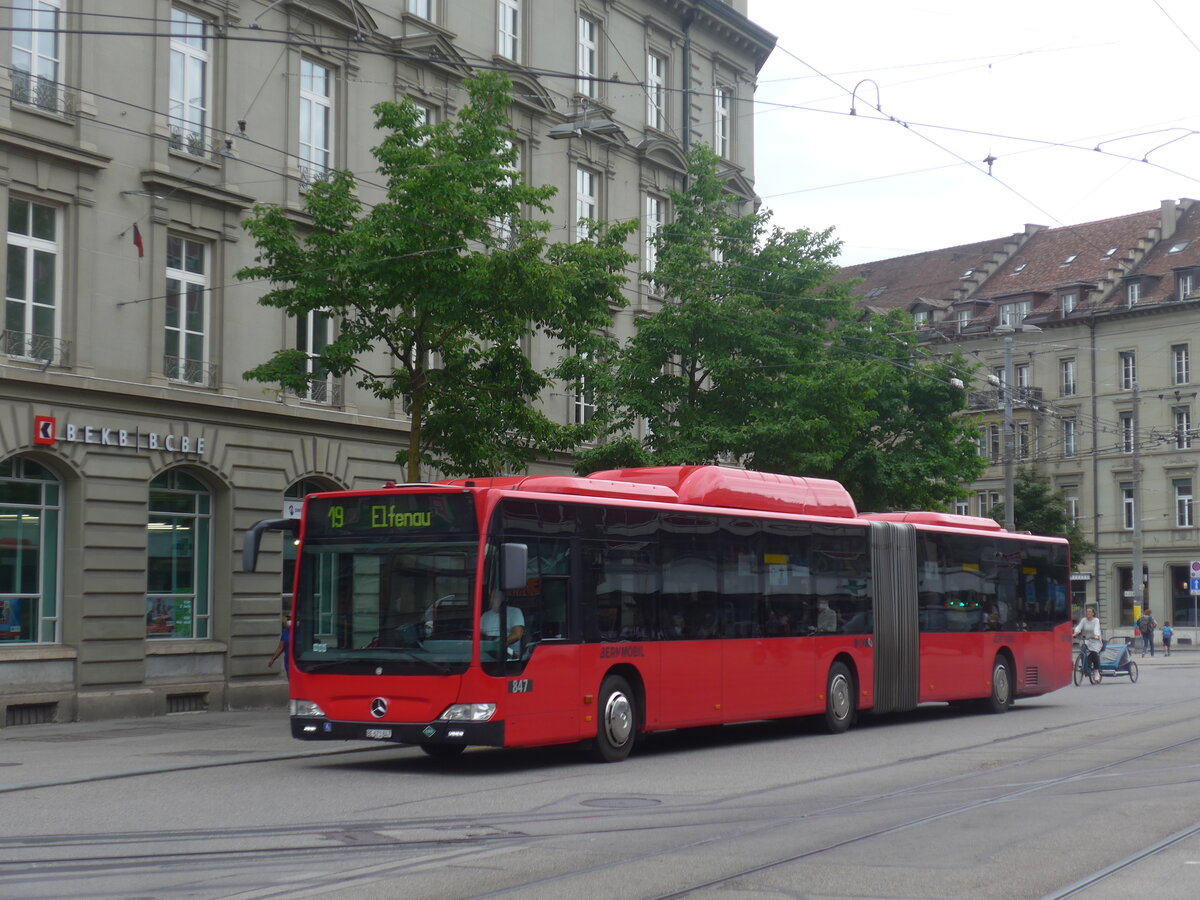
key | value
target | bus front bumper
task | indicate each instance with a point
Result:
(476, 734)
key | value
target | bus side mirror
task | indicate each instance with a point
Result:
(253, 538)
(514, 562)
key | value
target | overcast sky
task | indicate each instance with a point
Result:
(1035, 84)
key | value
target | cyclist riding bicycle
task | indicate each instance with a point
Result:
(1089, 630)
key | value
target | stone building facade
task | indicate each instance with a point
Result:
(132, 145)
(1087, 331)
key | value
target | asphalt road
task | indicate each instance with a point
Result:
(1091, 790)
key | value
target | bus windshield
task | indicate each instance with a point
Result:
(384, 588)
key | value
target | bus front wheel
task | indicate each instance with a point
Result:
(1002, 691)
(616, 728)
(839, 699)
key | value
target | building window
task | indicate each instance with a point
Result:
(508, 29)
(1126, 426)
(1184, 517)
(313, 333)
(1071, 498)
(585, 401)
(178, 541)
(1021, 376)
(962, 319)
(1070, 437)
(30, 572)
(921, 318)
(1067, 303)
(722, 120)
(1181, 367)
(1186, 282)
(987, 500)
(990, 446)
(316, 121)
(1183, 427)
(1133, 293)
(189, 83)
(1026, 438)
(653, 223)
(962, 507)
(656, 91)
(1128, 513)
(421, 8)
(186, 345)
(586, 205)
(503, 226)
(587, 57)
(1013, 314)
(35, 54)
(1128, 361)
(1067, 369)
(33, 282)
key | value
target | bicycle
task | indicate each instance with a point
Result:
(1087, 665)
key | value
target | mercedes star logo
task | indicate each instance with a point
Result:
(379, 707)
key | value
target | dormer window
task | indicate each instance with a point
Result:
(962, 319)
(921, 317)
(1070, 259)
(875, 292)
(1133, 293)
(1187, 283)
(1019, 269)
(1109, 253)
(1067, 302)
(1014, 313)
(1179, 246)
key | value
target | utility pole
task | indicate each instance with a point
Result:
(1009, 434)
(1135, 576)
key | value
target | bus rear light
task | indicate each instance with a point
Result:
(307, 709)
(469, 712)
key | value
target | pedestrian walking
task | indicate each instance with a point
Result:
(1167, 632)
(1146, 625)
(282, 648)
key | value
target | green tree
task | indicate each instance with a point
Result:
(1039, 509)
(435, 288)
(743, 317)
(757, 355)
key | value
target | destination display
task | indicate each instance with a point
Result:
(390, 515)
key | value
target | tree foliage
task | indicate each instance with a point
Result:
(1039, 509)
(757, 355)
(436, 288)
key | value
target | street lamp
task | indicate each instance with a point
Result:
(1009, 428)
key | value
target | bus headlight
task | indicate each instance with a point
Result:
(468, 712)
(306, 708)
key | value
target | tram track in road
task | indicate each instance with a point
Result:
(390, 847)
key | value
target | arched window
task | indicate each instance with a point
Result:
(324, 576)
(178, 541)
(29, 555)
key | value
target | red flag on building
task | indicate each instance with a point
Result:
(137, 240)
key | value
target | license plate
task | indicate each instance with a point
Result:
(379, 734)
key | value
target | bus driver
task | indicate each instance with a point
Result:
(489, 623)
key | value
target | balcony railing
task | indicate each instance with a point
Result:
(43, 93)
(193, 140)
(326, 393)
(1022, 398)
(49, 351)
(190, 371)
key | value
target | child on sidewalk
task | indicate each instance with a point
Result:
(1167, 631)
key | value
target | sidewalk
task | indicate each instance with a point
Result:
(34, 756)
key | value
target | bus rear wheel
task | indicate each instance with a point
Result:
(616, 726)
(839, 699)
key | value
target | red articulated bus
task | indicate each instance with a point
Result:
(529, 611)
